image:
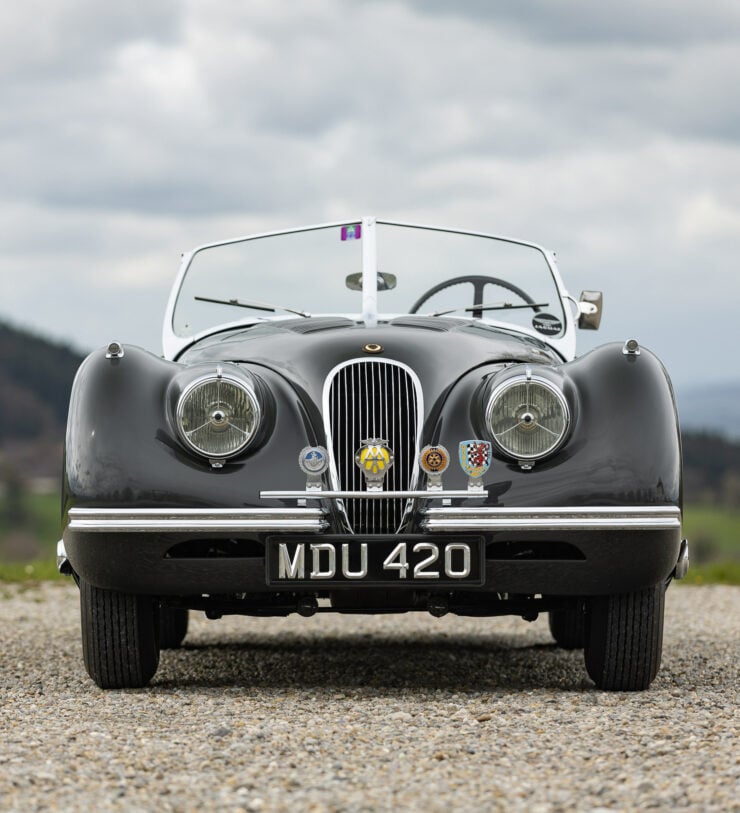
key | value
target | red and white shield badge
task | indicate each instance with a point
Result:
(475, 457)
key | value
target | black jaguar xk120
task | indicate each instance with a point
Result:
(370, 416)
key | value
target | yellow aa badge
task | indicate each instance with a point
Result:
(374, 458)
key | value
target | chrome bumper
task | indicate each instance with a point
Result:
(188, 520)
(312, 520)
(658, 518)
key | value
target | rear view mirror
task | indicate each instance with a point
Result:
(386, 282)
(590, 308)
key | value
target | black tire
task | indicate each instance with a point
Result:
(624, 639)
(173, 627)
(119, 637)
(568, 627)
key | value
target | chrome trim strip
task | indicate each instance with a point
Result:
(186, 520)
(373, 495)
(562, 519)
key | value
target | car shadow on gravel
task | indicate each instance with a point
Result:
(470, 663)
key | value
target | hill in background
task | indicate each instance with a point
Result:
(715, 408)
(35, 381)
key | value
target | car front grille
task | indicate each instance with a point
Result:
(367, 399)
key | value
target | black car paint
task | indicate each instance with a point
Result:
(123, 450)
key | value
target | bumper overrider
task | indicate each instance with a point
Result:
(572, 550)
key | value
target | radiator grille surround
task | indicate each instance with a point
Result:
(369, 399)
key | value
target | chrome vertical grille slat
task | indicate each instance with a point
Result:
(373, 398)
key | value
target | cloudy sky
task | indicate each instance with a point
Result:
(608, 132)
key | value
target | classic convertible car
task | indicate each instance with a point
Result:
(370, 416)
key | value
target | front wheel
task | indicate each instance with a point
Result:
(624, 639)
(119, 637)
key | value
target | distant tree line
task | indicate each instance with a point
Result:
(35, 382)
(711, 469)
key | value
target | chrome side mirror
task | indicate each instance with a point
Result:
(386, 282)
(590, 308)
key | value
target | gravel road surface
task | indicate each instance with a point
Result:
(361, 713)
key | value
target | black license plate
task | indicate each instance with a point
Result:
(388, 560)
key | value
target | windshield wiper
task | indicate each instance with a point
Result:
(494, 306)
(253, 304)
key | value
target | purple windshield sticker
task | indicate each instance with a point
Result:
(353, 232)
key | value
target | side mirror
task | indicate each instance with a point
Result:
(590, 308)
(386, 282)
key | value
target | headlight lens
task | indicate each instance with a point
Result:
(218, 416)
(527, 417)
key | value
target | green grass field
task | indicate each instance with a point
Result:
(714, 544)
(28, 546)
(712, 532)
(28, 549)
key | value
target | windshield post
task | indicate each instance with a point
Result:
(369, 273)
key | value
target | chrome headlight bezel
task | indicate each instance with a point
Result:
(232, 379)
(535, 381)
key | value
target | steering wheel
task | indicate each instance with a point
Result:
(478, 282)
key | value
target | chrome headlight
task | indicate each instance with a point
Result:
(527, 417)
(218, 415)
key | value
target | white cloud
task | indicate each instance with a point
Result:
(130, 134)
(704, 219)
(44, 40)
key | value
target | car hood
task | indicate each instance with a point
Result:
(305, 350)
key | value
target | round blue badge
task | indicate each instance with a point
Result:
(313, 460)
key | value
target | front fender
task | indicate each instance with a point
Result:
(122, 448)
(623, 447)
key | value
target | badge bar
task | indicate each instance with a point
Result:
(374, 495)
(375, 457)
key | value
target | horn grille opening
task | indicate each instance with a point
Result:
(369, 399)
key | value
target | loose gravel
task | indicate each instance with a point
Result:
(367, 713)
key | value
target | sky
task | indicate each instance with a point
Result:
(609, 133)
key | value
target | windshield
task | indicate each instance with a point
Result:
(512, 280)
(306, 270)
